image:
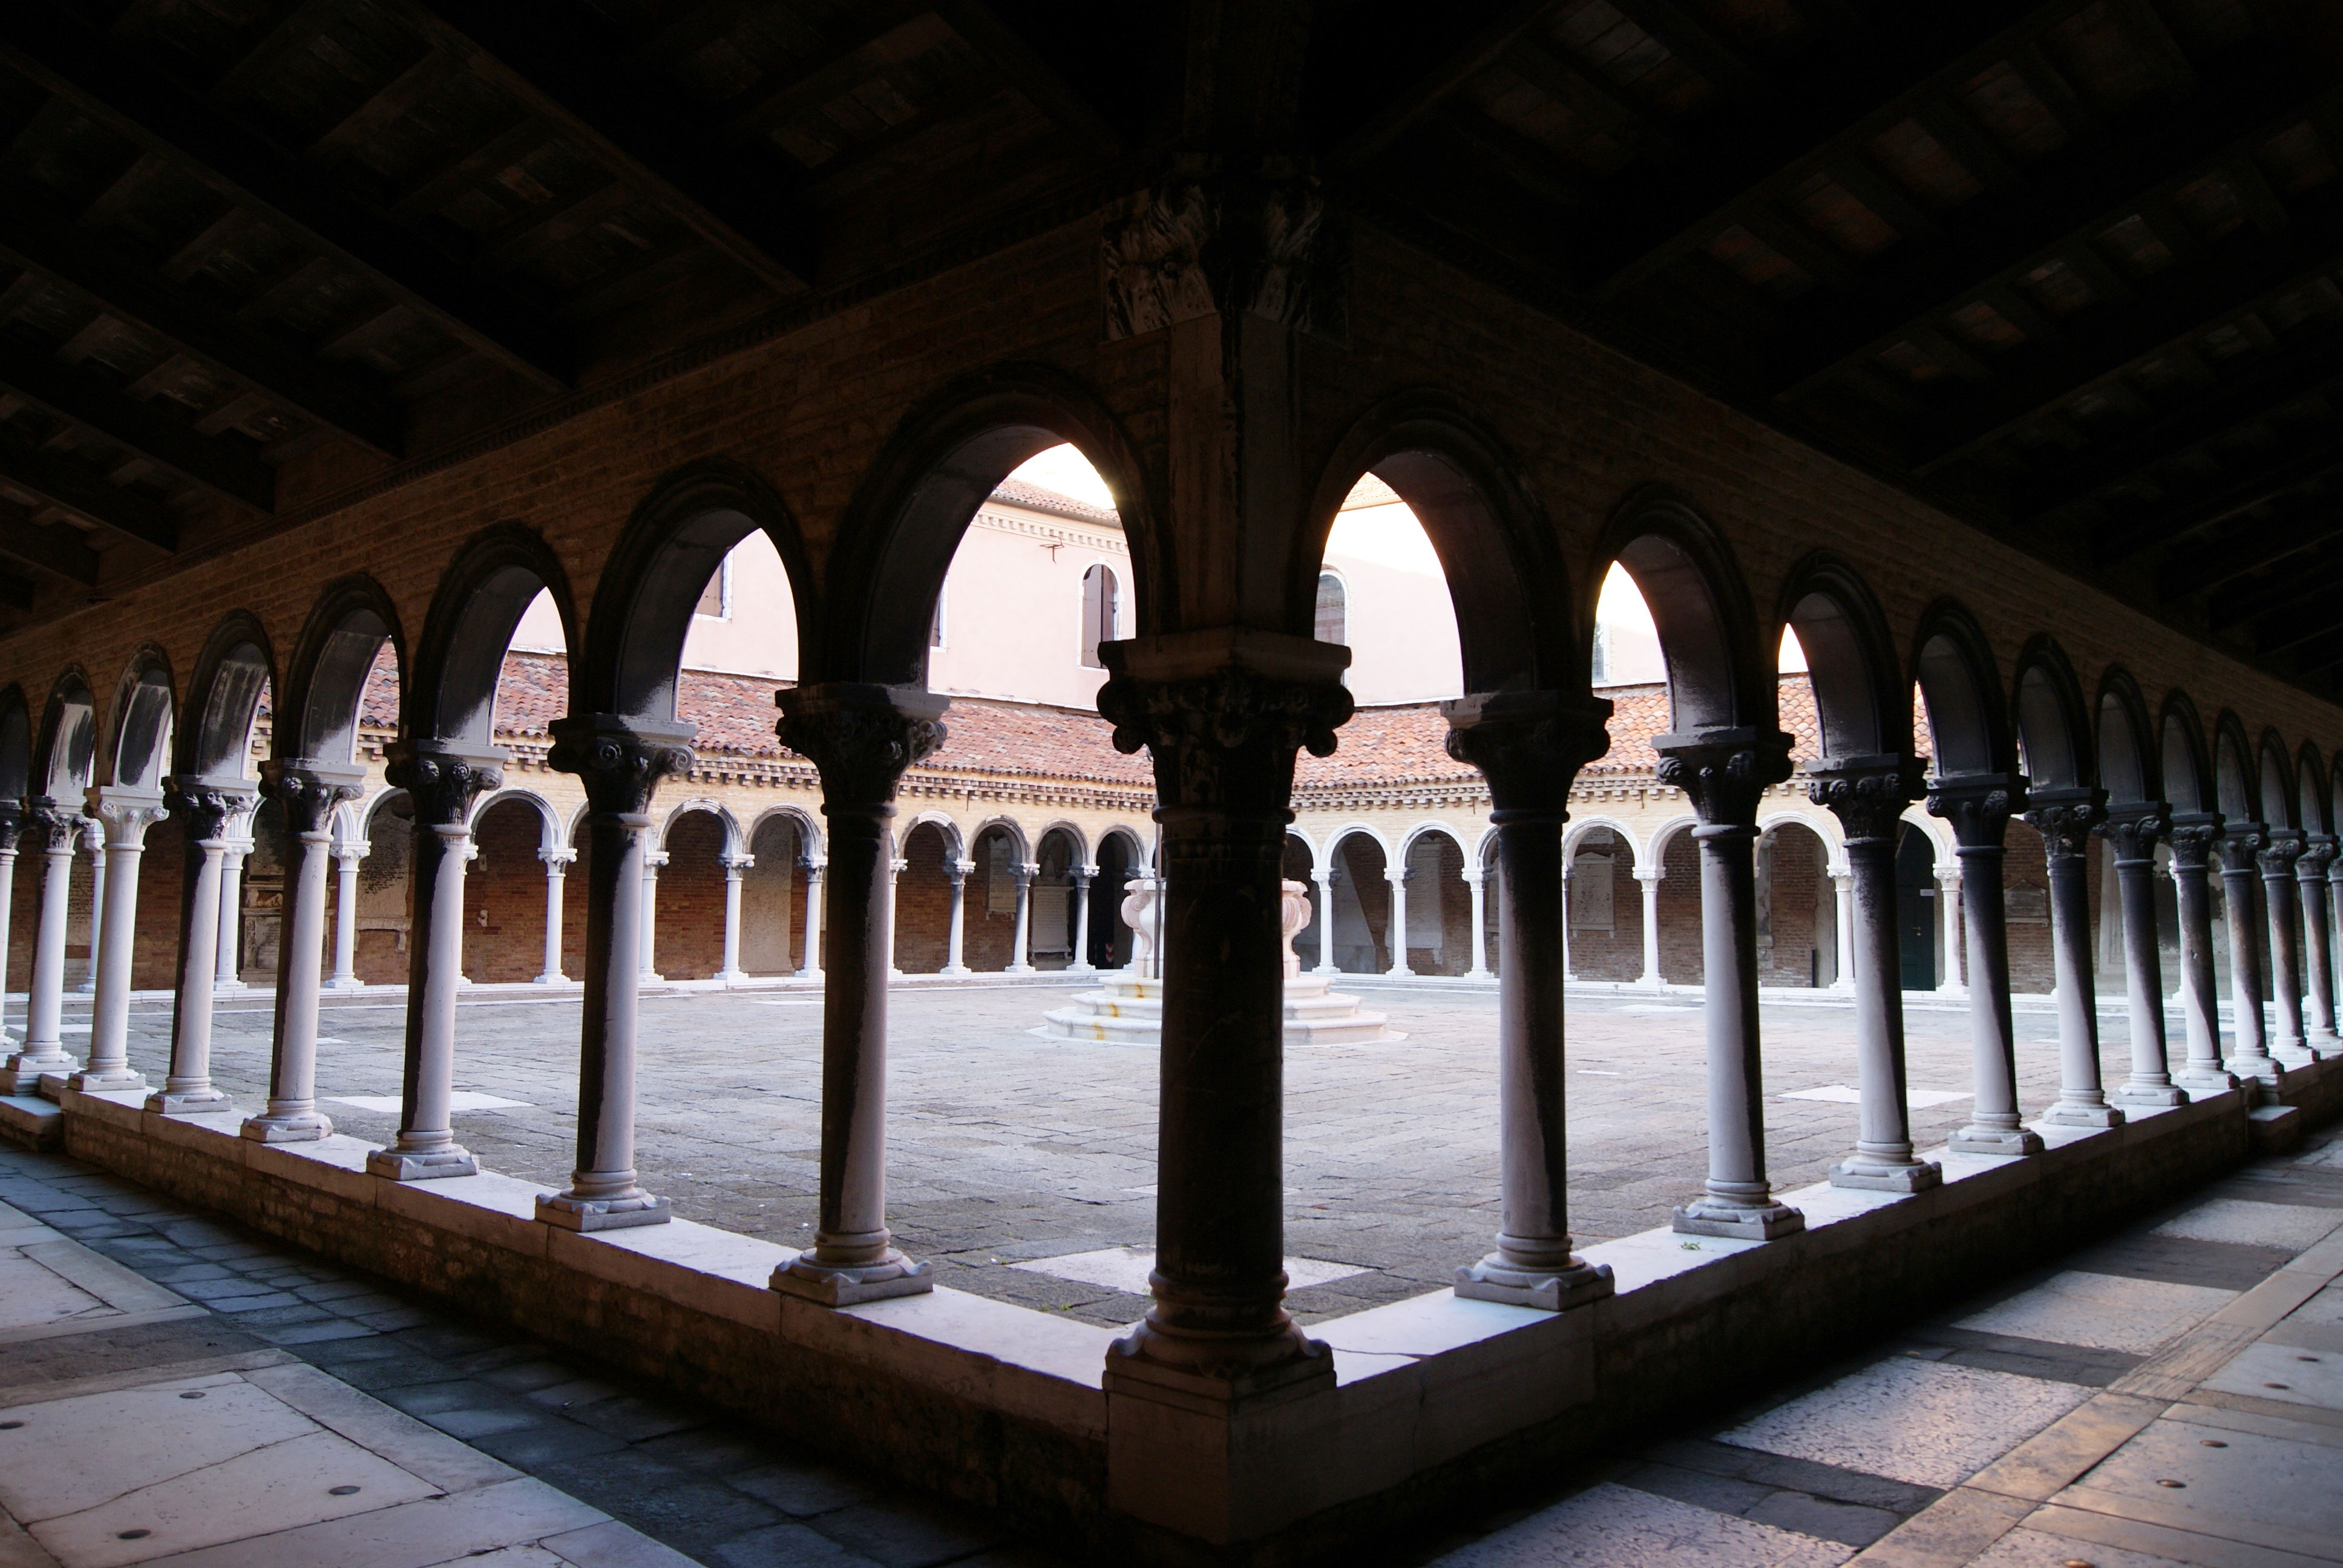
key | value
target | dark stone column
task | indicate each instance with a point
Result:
(2239, 847)
(1978, 805)
(1868, 795)
(2131, 832)
(2276, 860)
(860, 737)
(205, 806)
(308, 791)
(1724, 773)
(621, 762)
(1222, 712)
(2310, 871)
(442, 781)
(1530, 745)
(2192, 835)
(2064, 818)
(12, 826)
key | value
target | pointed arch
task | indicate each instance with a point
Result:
(1864, 708)
(632, 652)
(318, 719)
(2237, 777)
(233, 673)
(1960, 687)
(2281, 806)
(137, 749)
(66, 754)
(901, 531)
(2054, 726)
(1718, 676)
(2186, 767)
(2128, 761)
(1518, 625)
(2314, 812)
(450, 694)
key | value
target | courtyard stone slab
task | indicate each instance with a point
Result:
(2288, 1373)
(1925, 1421)
(2254, 1224)
(1613, 1526)
(2268, 1491)
(2038, 1548)
(2102, 1310)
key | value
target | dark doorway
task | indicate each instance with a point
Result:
(1109, 938)
(1915, 907)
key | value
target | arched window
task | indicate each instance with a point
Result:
(1333, 621)
(1098, 608)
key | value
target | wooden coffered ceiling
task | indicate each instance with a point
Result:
(2069, 270)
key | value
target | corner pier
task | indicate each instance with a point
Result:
(1434, 1398)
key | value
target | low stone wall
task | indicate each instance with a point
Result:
(1438, 1403)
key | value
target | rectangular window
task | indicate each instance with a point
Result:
(716, 598)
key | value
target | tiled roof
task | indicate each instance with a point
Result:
(1033, 498)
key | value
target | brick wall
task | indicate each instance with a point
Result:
(503, 897)
(1616, 954)
(923, 903)
(1361, 862)
(688, 944)
(1790, 889)
(772, 901)
(1679, 952)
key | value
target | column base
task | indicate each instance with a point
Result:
(228, 987)
(201, 1101)
(729, 977)
(2197, 1083)
(286, 1127)
(2149, 1094)
(121, 1080)
(955, 970)
(550, 980)
(2267, 1069)
(1711, 1216)
(893, 1275)
(344, 982)
(1872, 1176)
(1016, 969)
(574, 1213)
(2082, 1114)
(22, 1073)
(1996, 1140)
(396, 1165)
(1549, 1290)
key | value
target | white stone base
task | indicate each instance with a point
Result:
(1996, 1140)
(1130, 1011)
(127, 1081)
(601, 1214)
(197, 1102)
(1866, 1177)
(1491, 1280)
(304, 1127)
(1705, 1217)
(2148, 1094)
(396, 1165)
(2082, 1115)
(898, 1276)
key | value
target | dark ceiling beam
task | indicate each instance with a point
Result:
(1013, 60)
(2269, 599)
(1726, 68)
(2307, 362)
(17, 592)
(2170, 311)
(386, 107)
(2249, 550)
(2317, 657)
(1584, 91)
(568, 65)
(842, 167)
(2121, 538)
(34, 234)
(55, 549)
(59, 480)
(217, 463)
(886, 33)
(1409, 109)
(2061, 205)
(153, 111)
(1764, 153)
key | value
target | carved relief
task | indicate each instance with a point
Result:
(861, 748)
(621, 767)
(1226, 740)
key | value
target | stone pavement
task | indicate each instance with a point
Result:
(2172, 1394)
(1006, 1150)
(175, 1390)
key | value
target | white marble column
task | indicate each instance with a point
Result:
(443, 782)
(1978, 806)
(1326, 881)
(1080, 894)
(2064, 818)
(92, 832)
(1396, 926)
(126, 814)
(1843, 908)
(205, 809)
(308, 792)
(895, 869)
(1020, 944)
(2290, 1041)
(2317, 943)
(12, 827)
(955, 929)
(2237, 847)
(1473, 879)
(1951, 912)
(810, 964)
(237, 837)
(620, 764)
(1649, 876)
(54, 829)
(345, 916)
(557, 868)
(2131, 833)
(736, 867)
(652, 861)
(2192, 835)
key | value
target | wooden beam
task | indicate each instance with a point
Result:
(1584, 91)
(1408, 110)
(51, 47)
(1730, 71)
(384, 108)
(2270, 597)
(55, 549)
(61, 482)
(220, 466)
(2123, 538)
(1033, 78)
(34, 234)
(2257, 545)
(583, 74)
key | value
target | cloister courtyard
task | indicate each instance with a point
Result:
(1009, 1154)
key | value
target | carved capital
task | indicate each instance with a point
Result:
(2238, 844)
(2132, 831)
(51, 826)
(1867, 794)
(859, 737)
(1224, 739)
(1188, 248)
(2066, 818)
(2318, 854)
(442, 783)
(2192, 835)
(207, 804)
(1529, 746)
(126, 813)
(2282, 847)
(1977, 806)
(308, 791)
(11, 826)
(618, 762)
(1723, 772)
